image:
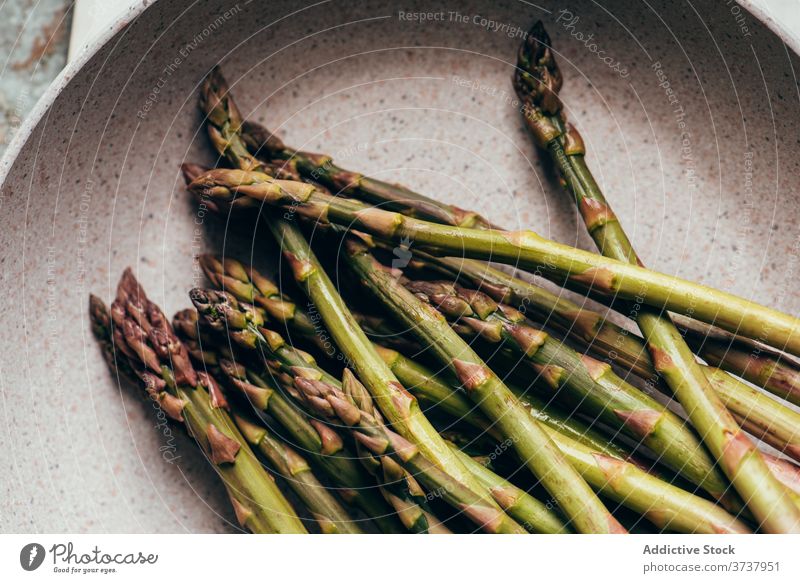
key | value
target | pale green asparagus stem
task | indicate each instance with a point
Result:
(537, 82)
(344, 405)
(588, 383)
(286, 462)
(398, 405)
(139, 331)
(584, 510)
(580, 269)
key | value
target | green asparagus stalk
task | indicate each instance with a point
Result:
(246, 284)
(537, 82)
(737, 355)
(223, 312)
(434, 391)
(286, 462)
(584, 510)
(242, 284)
(399, 487)
(758, 364)
(586, 381)
(398, 406)
(400, 490)
(586, 329)
(759, 414)
(664, 504)
(139, 332)
(346, 406)
(224, 129)
(321, 443)
(633, 487)
(236, 189)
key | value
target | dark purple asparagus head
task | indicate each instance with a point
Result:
(537, 79)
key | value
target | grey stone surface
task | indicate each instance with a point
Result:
(34, 37)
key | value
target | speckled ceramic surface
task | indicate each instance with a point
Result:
(690, 111)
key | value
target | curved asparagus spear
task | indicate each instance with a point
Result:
(584, 510)
(664, 504)
(587, 382)
(239, 189)
(286, 462)
(139, 331)
(345, 405)
(740, 356)
(224, 129)
(398, 406)
(285, 367)
(537, 82)
(248, 284)
(322, 443)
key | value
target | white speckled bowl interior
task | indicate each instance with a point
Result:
(705, 177)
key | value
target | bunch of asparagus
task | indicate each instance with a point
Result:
(465, 398)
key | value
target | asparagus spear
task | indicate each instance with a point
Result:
(633, 487)
(223, 312)
(350, 406)
(759, 414)
(431, 389)
(397, 404)
(758, 364)
(615, 345)
(216, 305)
(247, 284)
(662, 503)
(740, 356)
(147, 345)
(237, 189)
(401, 409)
(225, 132)
(286, 462)
(537, 451)
(435, 391)
(399, 489)
(587, 382)
(324, 445)
(537, 82)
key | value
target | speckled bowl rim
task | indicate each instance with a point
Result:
(789, 38)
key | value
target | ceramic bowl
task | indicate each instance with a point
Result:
(689, 110)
